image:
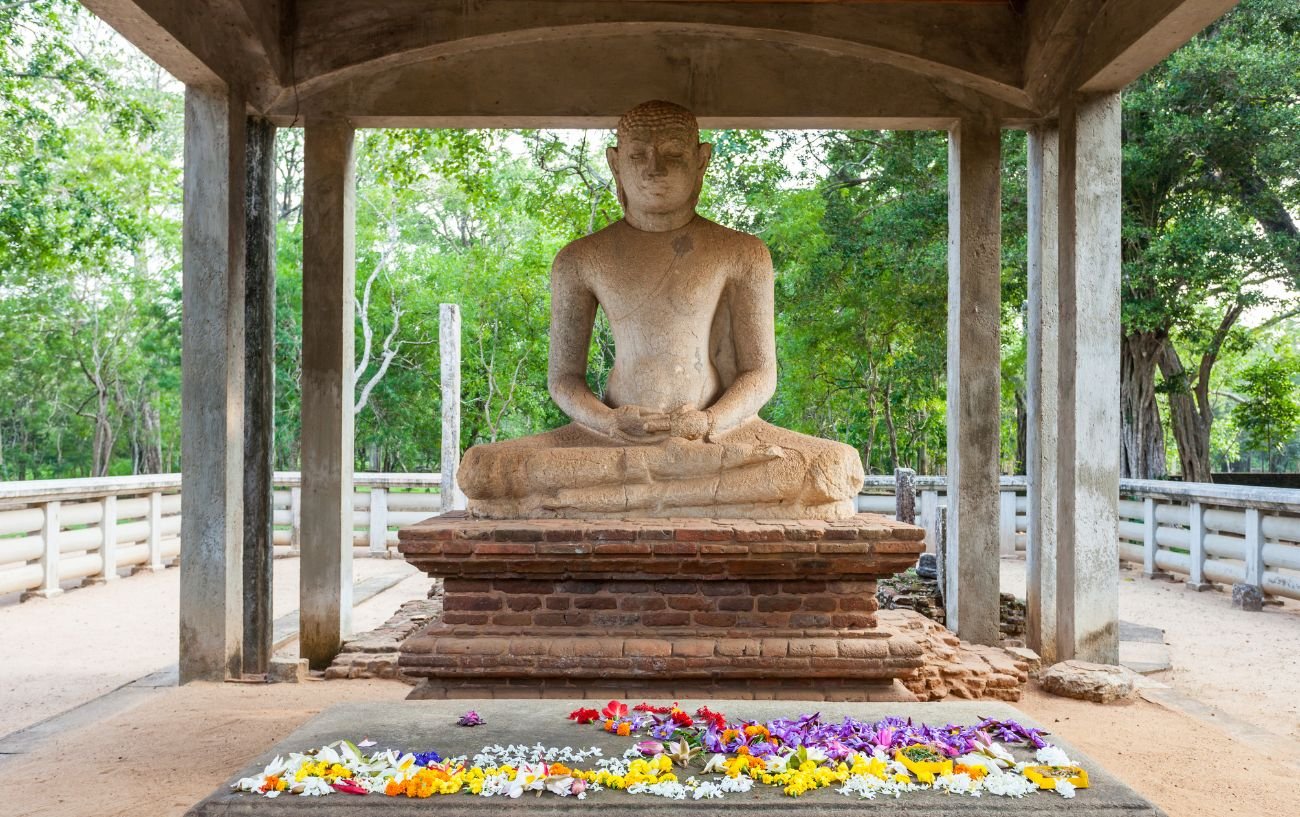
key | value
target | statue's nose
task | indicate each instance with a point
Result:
(657, 167)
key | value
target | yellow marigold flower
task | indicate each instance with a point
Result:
(624, 729)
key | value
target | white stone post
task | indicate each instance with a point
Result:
(1249, 595)
(295, 520)
(449, 352)
(107, 542)
(1007, 523)
(50, 527)
(212, 387)
(378, 522)
(328, 358)
(155, 531)
(1041, 386)
(974, 372)
(930, 517)
(1150, 547)
(1088, 442)
(1196, 546)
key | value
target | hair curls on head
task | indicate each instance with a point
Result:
(658, 115)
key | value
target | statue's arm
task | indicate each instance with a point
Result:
(754, 333)
(573, 313)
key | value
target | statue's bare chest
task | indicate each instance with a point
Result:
(679, 280)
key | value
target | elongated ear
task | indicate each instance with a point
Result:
(611, 156)
(706, 153)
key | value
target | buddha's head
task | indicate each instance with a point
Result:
(658, 164)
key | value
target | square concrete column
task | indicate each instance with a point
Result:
(974, 375)
(259, 394)
(328, 357)
(1042, 383)
(212, 387)
(1088, 442)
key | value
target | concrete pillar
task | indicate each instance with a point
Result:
(929, 517)
(449, 353)
(1196, 547)
(328, 358)
(155, 531)
(107, 542)
(51, 527)
(212, 387)
(259, 394)
(1088, 441)
(974, 398)
(1042, 383)
(378, 522)
(1007, 523)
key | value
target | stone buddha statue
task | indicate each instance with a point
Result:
(690, 306)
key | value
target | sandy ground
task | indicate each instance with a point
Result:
(1246, 664)
(60, 652)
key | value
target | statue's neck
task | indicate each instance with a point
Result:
(659, 222)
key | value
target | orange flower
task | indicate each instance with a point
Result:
(743, 750)
(624, 729)
(609, 726)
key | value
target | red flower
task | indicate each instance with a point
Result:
(614, 710)
(715, 719)
(348, 787)
(681, 718)
(657, 710)
(584, 716)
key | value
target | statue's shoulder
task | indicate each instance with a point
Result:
(751, 246)
(581, 252)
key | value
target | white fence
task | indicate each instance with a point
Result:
(56, 531)
(1206, 533)
(932, 493)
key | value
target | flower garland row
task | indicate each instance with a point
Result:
(862, 759)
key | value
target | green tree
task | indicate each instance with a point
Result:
(1270, 413)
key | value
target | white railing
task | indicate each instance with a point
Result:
(932, 494)
(57, 531)
(1206, 533)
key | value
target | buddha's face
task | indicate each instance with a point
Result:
(659, 172)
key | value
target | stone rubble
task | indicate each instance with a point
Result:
(1099, 683)
(953, 668)
(374, 654)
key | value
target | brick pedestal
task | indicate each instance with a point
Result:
(660, 607)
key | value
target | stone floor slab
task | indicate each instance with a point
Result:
(431, 725)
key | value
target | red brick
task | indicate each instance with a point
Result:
(759, 533)
(800, 588)
(641, 603)
(457, 548)
(724, 588)
(811, 621)
(614, 620)
(778, 604)
(655, 533)
(622, 549)
(863, 648)
(694, 647)
(536, 587)
(579, 587)
(600, 602)
(714, 619)
(853, 621)
(739, 647)
(522, 533)
(557, 602)
(736, 604)
(563, 534)
(475, 533)
(506, 549)
(841, 532)
(564, 548)
(671, 588)
(452, 586)
(453, 617)
(844, 547)
(612, 534)
(859, 604)
(512, 619)
(666, 618)
(725, 548)
(782, 547)
(520, 604)
(702, 534)
(827, 647)
(477, 602)
(675, 548)
(691, 602)
(819, 603)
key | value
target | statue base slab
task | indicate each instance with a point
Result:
(660, 607)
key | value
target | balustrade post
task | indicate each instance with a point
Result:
(1149, 544)
(1249, 595)
(155, 533)
(930, 518)
(295, 521)
(107, 543)
(1196, 541)
(49, 554)
(1007, 523)
(378, 522)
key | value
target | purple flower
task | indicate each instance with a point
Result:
(470, 718)
(427, 758)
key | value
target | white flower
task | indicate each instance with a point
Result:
(1065, 788)
(366, 744)
(1052, 756)
(1006, 784)
(315, 787)
(716, 765)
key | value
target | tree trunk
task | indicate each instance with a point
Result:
(1143, 438)
(1022, 432)
(1191, 429)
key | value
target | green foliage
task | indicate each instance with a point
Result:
(1270, 413)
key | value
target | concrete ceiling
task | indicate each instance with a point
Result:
(791, 63)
